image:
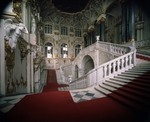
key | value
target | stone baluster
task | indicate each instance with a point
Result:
(130, 59)
(122, 63)
(114, 67)
(109, 67)
(118, 65)
(105, 70)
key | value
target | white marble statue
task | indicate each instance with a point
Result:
(13, 31)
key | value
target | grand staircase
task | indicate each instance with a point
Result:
(131, 88)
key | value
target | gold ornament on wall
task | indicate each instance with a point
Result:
(10, 87)
(10, 62)
(22, 44)
(16, 7)
(22, 82)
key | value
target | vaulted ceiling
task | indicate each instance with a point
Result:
(71, 6)
(77, 13)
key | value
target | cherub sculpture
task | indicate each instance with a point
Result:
(13, 32)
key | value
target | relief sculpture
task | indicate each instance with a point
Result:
(12, 33)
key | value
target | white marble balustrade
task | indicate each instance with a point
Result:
(125, 60)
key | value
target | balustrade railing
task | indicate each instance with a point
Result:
(126, 59)
(140, 43)
(106, 71)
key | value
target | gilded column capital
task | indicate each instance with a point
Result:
(101, 18)
(84, 34)
(139, 25)
(91, 28)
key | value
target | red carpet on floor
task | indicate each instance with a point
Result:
(55, 106)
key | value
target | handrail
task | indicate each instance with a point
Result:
(140, 43)
(104, 46)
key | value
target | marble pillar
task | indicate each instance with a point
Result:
(2, 60)
(124, 22)
(102, 30)
(131, 20)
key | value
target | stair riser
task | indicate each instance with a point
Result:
(136, 92)
(139, 100)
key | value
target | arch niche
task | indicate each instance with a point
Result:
(87, 64)
(48, 50)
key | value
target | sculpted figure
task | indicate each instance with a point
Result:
(13, 32)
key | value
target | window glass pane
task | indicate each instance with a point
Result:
(64, 50)
(48, 29)
(78, 32)
(64, 30)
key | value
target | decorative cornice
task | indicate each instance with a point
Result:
(12, 15)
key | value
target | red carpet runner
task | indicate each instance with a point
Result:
(52, 84)
(57, 106)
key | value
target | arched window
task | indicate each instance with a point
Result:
(48, 50)
(77, 49)
(64, 30)
(64, 51)
(78, 32)
(48, 28)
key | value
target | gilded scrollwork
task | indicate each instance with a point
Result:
(22, 82)
(10, 61)
(22, 44)
(17, 9)
(10, 87)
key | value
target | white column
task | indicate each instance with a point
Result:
(31, 73)
(2, 59)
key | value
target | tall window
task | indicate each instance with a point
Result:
(48, 29)
(78, 32)
(48, 50)
(64, 51)
(64, 30)
(77, 49)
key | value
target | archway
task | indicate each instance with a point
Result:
(48, 50)
(87, 64)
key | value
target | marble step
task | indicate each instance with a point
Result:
(141, 88)
(128, 102)
(134, 73)
(107, 87)
(129, 75)
(117, 78)
(141, 68)
(116, 82)
(111, 84)
(125, 77)
(102, 90)
(63, 88)
(136, 91)
(132, 97)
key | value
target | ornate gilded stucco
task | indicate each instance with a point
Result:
(22, 44)
(10, 62)
(17, 9)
